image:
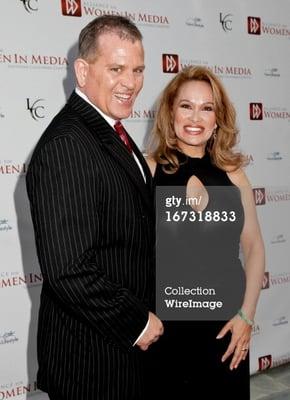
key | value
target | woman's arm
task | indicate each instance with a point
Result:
(254, 258)
(252, 245)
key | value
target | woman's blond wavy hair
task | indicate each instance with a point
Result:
(162, 145)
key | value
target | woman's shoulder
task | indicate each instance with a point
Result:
(238, 177)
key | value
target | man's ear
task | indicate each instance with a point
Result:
(81, 71)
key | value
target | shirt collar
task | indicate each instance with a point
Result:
(110, 120)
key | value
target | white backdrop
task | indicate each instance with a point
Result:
(246, 43)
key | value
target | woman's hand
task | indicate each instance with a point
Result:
(240, 341)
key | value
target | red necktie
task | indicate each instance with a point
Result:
(123, 135)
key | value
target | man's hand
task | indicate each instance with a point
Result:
(152, 333)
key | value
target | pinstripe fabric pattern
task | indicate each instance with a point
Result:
(93, 222)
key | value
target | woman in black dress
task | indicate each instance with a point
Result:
(192, 146)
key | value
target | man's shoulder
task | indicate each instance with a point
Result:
(67, 125)
(66, 122)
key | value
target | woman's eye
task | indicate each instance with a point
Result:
(187, 106)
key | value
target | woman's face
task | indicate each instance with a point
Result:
(194, 117)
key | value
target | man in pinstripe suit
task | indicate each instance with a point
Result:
(91, 202)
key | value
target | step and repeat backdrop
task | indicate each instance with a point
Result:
(246, 43)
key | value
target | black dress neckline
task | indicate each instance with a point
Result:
(194, 158)
(203, 168)
(183, 158)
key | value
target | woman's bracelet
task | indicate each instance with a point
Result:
(243, 316)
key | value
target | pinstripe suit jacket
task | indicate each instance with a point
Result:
(93, 220)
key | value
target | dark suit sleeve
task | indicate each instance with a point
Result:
(62, 185)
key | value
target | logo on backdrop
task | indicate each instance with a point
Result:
(266, 280)
(273, 72)
(222, 70)
(265, 362)
(8, 337)
(96, 8)
(142, 115)
(280, 321)
(254, 26)
(257, 27)
(11, 390)
(256, 330)
(187, 62)
(259, 196)
(280, 238)
(271, 195)
(9, 167)
(195, 22)
(71, 8)
(30, 5)
(285, 358)
(5, 226)
(18, 279)
(231, 71)
(256, 111)
(274, 156)
(226, 21)
(35, 108)
(13, 59)
(278, 195)
(280, 279)
(170, 63)
(250, 159)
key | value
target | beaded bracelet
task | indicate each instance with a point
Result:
(245, 318)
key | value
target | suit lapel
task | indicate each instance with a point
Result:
(104, 133)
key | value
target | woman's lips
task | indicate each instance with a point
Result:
(193, 129)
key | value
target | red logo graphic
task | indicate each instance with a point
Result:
(254, 26)
(266, 281)
(259, 196)
(170, 63)
(265, 362)
(256, 111)
(71, 8)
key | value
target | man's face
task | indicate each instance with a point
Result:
(114, 80)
